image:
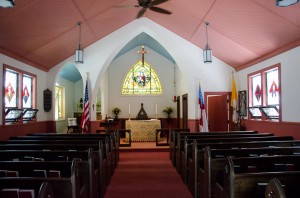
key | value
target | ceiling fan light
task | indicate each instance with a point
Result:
(207, 54)
(7, 3)
(284, 3)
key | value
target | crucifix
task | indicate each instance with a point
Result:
(143, 52)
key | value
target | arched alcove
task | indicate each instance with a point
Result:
(70, 83)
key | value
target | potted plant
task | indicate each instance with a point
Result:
(116, 111)
(168, 111)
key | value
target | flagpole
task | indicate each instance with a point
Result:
(86, 110)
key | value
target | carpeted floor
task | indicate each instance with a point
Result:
(146, 174)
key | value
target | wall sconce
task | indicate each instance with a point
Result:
(79, 51)
(207, 52)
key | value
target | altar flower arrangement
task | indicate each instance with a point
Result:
(116, 111)
(168, 111)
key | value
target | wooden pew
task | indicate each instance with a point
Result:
(198, 154)
(111, 160)
(93, 160)
(113, 135)
(172, 144)
(43, 190)
(108, 155)
(286, 187)
(27, 168)
(174, 139)
(62, 187)
(210, 165)
(76, 185)
(181, 155)
(75, 170)
(275, 189)
(185, 141)
(113, 147)
(239, 184)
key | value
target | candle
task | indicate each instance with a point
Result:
(156, 109)
(129, 109)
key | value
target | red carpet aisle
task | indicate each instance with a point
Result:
(146, 174)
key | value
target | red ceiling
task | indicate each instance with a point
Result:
(241, 32)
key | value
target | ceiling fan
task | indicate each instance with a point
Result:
(151, 4)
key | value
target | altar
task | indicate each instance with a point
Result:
(142, 130)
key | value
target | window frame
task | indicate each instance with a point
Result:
(264, 90)
(21, 74)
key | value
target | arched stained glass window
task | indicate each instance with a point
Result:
(141, 80)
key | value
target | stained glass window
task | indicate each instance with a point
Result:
(264, 92)
(272, 87)
(59, 103)
(256, 90)
(26, 92)
(11, 90)
(141, 79)
(18, 94)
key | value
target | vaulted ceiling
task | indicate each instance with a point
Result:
(43, 33)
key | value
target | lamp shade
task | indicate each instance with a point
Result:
(7, 3)
(207, 54)
(284, 3)
(79, 56)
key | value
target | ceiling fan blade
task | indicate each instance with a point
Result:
(160, 10)
(125, 6)
(141, 13)
(156, 2)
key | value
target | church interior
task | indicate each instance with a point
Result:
(143, 98)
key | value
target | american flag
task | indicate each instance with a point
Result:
(86, 110)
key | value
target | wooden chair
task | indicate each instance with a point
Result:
(163, 131)
(124, 131)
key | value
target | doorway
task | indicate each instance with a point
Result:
(218, 111)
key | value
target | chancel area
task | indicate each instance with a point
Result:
(149, 98)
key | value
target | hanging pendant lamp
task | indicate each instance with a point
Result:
(207, 52)
(79, 51)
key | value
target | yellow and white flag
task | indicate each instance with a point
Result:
(233, 102)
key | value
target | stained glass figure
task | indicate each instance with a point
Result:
(272, 87)
(11, 89)
(27, 84)
(141, 79)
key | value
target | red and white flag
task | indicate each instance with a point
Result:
(86, 110)
(203, 120)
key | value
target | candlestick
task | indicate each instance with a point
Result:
(129, 109)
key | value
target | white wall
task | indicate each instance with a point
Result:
(117, 72)
(290, 81)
